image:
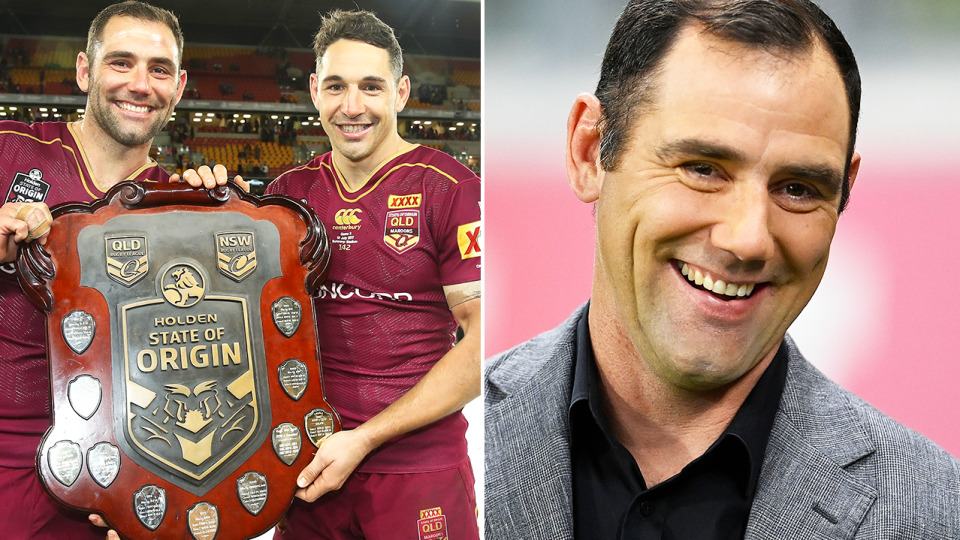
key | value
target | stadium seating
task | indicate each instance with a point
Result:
(232, 73)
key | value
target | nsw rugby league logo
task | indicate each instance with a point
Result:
(236, 254)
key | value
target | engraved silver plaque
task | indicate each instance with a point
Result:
(319, 424)
(84, 394)
(103, 463)
(286, 315)
(252, 491)
(65, 460)
(293, 378)
(150, 505)
(203, 521)
(286, 442)
(78, 328)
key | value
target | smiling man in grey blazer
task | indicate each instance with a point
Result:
(719, 153)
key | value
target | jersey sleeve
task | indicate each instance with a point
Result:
(459, 241)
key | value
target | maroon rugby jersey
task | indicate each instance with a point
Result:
(42, 162)
(382, 318)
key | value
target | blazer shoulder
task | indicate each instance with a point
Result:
(905, 469)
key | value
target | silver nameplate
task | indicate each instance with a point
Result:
(103, 463)
(203, 521)
(78, 328)
(293, 378)
(252, 491)
(84, 394)
(286, 315)
(65, 460)
(150, 505)
(319, 424)
(286, 442)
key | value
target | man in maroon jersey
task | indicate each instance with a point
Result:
(131, 71)
(404, 222)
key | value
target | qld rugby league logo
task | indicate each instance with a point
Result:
(189, 388)
(402, 223)
(236, 254)
(127, 260)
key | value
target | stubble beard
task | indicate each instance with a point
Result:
(101, 109)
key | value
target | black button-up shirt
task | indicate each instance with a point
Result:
(709, 498)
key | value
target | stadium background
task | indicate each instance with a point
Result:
(247, 94)
(886, 316)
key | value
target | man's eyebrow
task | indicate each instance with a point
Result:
(699, 148)
(162, 60)
(368, 78)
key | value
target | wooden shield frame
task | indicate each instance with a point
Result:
(185, 381)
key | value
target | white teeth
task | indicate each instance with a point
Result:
(353, 128)
(133, 108)
(719, 286)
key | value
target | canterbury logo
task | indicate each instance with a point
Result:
(347, 216)
(395, 202)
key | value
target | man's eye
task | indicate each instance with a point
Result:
(797, 190)
(701, 169)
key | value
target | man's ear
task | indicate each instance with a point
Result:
(83, 71)
(403, 93)
(583, 148)
(854, 169)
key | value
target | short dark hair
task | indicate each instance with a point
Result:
(135, 10)
(647, 30)
(358, 26)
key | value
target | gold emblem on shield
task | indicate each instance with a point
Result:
(126, 257)
(183, 285)
(236, 254)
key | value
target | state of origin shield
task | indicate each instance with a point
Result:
(186, 393)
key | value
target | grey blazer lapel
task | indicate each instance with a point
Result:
(805, 489)
(529, 492)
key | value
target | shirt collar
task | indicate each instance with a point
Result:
(751, 425)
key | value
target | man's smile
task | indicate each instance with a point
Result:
(134, 108)
(701, 279)
(353, 128)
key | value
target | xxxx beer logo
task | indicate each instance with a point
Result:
(402, 229)
(189, 391)
(236, 254)
(468, 239)
(398, 202)
(126, 257)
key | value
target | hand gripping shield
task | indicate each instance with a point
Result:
(186, 389)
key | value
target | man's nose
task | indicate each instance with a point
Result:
(140, 80)
(743, 224)
(352, 102)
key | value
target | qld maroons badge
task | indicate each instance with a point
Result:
(402, 229)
